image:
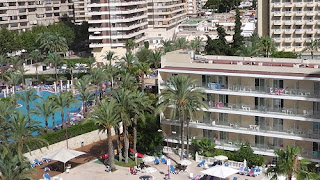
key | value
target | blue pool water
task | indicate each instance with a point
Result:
(57, 116)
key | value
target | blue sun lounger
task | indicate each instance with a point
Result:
(46, 176)
(156, 161)
(38, 162)
(163, 160)
(201, 163)
(172, 170)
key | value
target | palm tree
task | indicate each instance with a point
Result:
(126, 106)
(36, 57)
(142, 70)
(60, 103)
(266, 46)
(52, 42)
(12, 168)
(3, 60)
(55, 60)
(313, 46)
(142, 104)
(167, 46)
(83, 86)
(22, 72)
(129, 45)
(110, 56)
(91, 61)
(15, 61)
(97, 76)
(70, 100)
(5, 111)
(196, 44)
(105, 116)
(128, 60)
(247, 51)
(111, 72)
(28, 97)
(128, 81)
(45, 109)
(181, 94)
(289, 165)
(155, 58)
(13, 79)
(22, 134)
(181, 43)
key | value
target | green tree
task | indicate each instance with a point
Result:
(52, 42)
(237, 37)
(28, 97)
(45, 109)
(3, 60)
(10, 41)
(196, 44)
(83, 86)
(218, 46)
(6, 110)
(22, 71)
(13, 79)
(167, 46)
(22, 134)
(55, 60)
(181, 94)
(204, 146)
(180, 43)
(35, 56)
(247, 51)
(282, 54)
(126, 107)
(222, 5)
(129, 45)
(110, 56)
(106, 116)
(289, 165)
(266, 46)
(312, 47)
(97, 77)
(64, 30)
(91, 62)
(128, 61)
(143, 54)
(254, 4)
(142, 70)
(70, 100)
(155, 58)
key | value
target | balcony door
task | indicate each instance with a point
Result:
(206, 80)
(207, 117)
(261, 122)
(259, 141)
(223, 119)
(208, 134)
(260, 103)
(277, 124)
(224, 99)
(277, 105)
(260, 84)
(317, 89)
(277, 143)
(223, 137)
(277, 84)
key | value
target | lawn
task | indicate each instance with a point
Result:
(130, 163)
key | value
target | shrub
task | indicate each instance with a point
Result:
(73, 131)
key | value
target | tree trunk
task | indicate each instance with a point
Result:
(110, 149)
(126, 144)
(118, 144)
(311, 54)
(142, 83)
(53, 121)
(135, 137)
(37, 72)
(55, 70)
(46, 124)
(23, 81)
(187, 153)
(62, 119)
(28, 112)
(68, 112)
(182, 134)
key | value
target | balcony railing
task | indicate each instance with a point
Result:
(263, 90)
(264, 109)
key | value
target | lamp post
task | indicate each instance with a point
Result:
(168, 161)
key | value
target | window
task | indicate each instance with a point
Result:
(278, 83)
(259, 141)
(261, 122)
(260, 84)
(223, 119)
(277, 124)
(277, 105)
(260, 103)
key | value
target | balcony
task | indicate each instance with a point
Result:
(311, 22)
(300, 4)
(310, 4)
(288, 4)
(289, 31)
(277, 39)
(299, 31)
(253, 129)
(299, 40)
(277, 31)
(310, 13)
(277, 13)
(277, 22)
(299, 22)
(277, 5)
(299, 13)
(310, 31)
(288, 13)
(288, 39)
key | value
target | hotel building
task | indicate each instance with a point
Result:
(292, 24)
(23, 14)
(268, 103)
(80, 11)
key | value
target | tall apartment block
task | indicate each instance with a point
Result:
(291, 23)
(23, 14)
(113, 22)
(80, 11)
(268, 103)
(191, 7)
(163, 18)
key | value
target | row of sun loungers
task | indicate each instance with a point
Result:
(36, 162)
(250, 172)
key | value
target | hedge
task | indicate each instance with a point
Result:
(73, 131)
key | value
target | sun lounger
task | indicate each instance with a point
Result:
(156, 161)
(32, 165)
(132, 171)
(172, 170)
(46, 176)
(197, 177)
(244, 171)
(46, 160)
(164, 161)
(38, 162)
(251, 172)
(212, 165)
(211, 178)
(256, 172)
(201, 163)
(235, 178)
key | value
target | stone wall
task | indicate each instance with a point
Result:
(73, 143)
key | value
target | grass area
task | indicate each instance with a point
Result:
(130, 163)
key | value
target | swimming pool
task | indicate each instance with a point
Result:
(75, 108)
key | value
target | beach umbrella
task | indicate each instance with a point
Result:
(148, 159)
(221, 158)
(185, 162)
(220, 171)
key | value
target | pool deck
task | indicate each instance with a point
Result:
(96, 171)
